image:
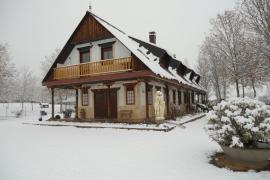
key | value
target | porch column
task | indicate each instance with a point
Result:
(167, 99)
(109, 101)
(146, 100)
(77, 104)
(52, 91)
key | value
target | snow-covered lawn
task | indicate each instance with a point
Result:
(44, 153)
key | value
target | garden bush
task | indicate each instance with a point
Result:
(239, 123)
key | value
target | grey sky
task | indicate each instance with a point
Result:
(34, 28)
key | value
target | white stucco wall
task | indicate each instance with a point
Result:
(119, 51)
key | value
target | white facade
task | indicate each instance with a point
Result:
(119, 51)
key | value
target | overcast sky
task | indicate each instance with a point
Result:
(34, 28)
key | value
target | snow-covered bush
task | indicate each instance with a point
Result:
(239, 122)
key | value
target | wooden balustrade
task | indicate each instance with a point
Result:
(93, 68)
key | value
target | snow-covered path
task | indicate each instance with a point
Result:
(45, 153)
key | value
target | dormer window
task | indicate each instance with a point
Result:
(84, 54)
(107, 50)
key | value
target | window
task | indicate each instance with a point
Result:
(130, 95)
(150, 96)
(174, 97)
(107, 50)
(84, 54)
(85, 99)
(192, 97)
(179, 97)
(106, 53)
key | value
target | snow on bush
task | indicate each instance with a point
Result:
(239, 122)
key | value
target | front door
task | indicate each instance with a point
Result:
(100, 104)
(105, 104)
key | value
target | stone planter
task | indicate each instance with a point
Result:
(259, 156)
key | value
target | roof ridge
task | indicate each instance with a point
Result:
(107, 23)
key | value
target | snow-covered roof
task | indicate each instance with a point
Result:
(146, 56)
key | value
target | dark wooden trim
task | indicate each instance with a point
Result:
(130, 84)
(85, 48)
(52, 91)
(77, 105)
(95, 90)
(107, 44)
(143, 74)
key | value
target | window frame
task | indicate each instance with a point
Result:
(105, 46)
(84, 91)
(130, 88)
(84, 50)
(104, 49)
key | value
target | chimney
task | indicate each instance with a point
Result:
(152, 37)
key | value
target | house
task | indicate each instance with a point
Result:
(115, 76)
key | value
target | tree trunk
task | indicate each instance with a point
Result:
(254, 89)
(224, 90)
(243, 90)
(237, 88)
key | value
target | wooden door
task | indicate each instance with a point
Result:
(113, 104)
(105, 104)
(100, 104)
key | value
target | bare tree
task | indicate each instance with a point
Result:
(7, 71)
(61, 94)
(25, 81)
(257, 16)
(228, 35)
(210, 64)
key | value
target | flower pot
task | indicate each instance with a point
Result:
(260, 156)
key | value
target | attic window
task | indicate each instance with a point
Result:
(107, 50)
(106, 53)
(84, 54)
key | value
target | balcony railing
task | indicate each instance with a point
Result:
(93, 68)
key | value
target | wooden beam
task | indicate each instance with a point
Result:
(77, 104)
(146, 100)
(52, 91)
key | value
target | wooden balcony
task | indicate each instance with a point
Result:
(93, 68)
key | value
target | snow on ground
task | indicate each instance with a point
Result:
(47, 153)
